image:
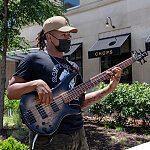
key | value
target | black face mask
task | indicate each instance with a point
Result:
(64, 45)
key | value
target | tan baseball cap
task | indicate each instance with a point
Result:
(58, 23)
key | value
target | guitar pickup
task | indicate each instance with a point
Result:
(29, 117)
(54, 106)
(41, 111)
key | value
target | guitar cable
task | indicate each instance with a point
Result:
(34, 140)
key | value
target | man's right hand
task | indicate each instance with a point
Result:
(44, 92)
(18, 87)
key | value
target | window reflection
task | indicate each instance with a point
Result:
(71, 3)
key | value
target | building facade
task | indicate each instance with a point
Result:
(96, 47)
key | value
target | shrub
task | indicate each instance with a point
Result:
(126, 101)
(13, 107)
(11, 104)
(12, 144)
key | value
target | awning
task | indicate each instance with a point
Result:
(147, 44)
(107, 46)
(73, 48)
(19, 54)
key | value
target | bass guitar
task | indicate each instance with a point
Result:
(45, 119)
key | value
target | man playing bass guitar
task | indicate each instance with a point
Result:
(43, 71)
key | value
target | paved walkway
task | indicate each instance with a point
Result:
(145, 146)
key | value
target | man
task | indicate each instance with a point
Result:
(46, 69)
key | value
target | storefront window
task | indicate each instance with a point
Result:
(71, 3)
(110, 61)
(77, 58)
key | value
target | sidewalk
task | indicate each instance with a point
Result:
(145, 146)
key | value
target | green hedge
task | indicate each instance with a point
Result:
(11, 104)
(126, 101)
(12, 144)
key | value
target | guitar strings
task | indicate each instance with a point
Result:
(59, 99)
(64, 94)
(94, 82)
(60, 102)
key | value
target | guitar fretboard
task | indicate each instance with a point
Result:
(78, 90)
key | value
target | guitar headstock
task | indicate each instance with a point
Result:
(139, 56)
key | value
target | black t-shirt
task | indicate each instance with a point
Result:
(52, 70)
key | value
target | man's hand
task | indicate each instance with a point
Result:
(115, 75)
(44, 92)
(94, 97)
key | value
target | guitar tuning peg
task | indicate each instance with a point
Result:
(144, 61)
(140, 51)
(136, 52)
(140, 62)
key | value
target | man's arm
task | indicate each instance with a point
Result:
(18, 87)
(94, 97)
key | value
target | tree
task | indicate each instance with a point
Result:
(15, 14)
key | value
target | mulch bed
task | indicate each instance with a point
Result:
(101, 138)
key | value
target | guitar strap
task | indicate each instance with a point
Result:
(75, 69)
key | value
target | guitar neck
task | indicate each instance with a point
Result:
(78, 90)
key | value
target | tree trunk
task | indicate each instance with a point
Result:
(2, 88)
(3, 65)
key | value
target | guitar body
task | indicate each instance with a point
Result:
(45, 120)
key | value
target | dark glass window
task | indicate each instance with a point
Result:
(71, 3)
(110, 61)
(76, 57)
